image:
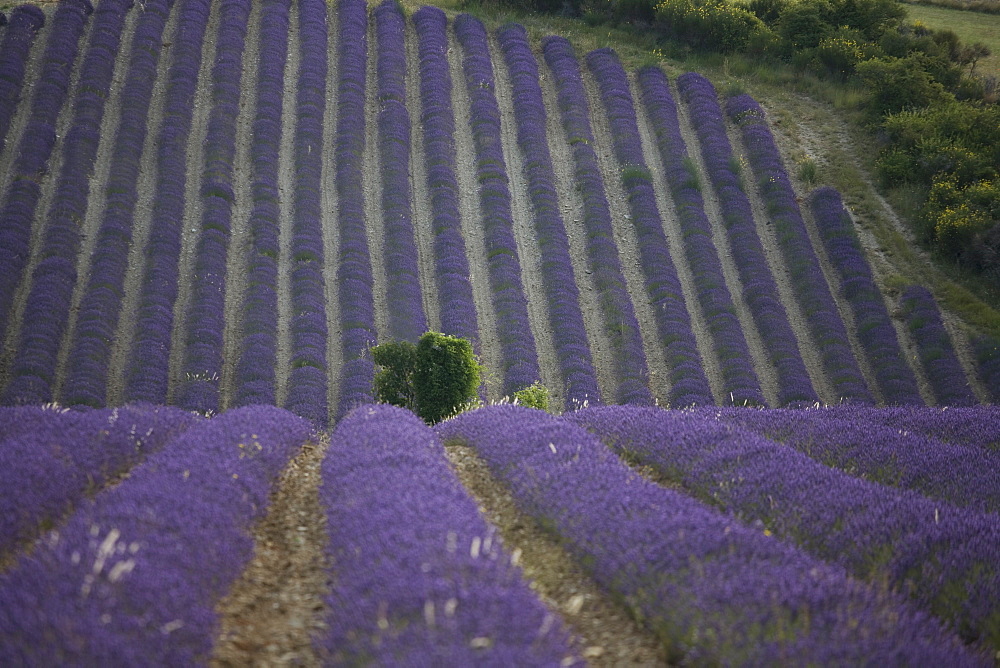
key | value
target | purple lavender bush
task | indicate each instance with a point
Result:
(404, 300)
(563, 297)
(927, 550)
(519, 359)
(258, 349)
(134, 576)
(354, 268)
(31, 159)
(307, 380)
(960, 474)
(829, 335)
(148, 362)
(871, 318)
(46, 470)
(617, 312)
(451, 264)
(420, 578)
(714, 590)
(204, 322)
(974, 427)
(934, 347)
(18, 37)
(688, 383)
(51, 288)
(759, 288)
(740, 384)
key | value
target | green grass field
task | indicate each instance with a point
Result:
(969, 26)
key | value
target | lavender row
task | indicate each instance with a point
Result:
(18, 37)
(740, 381)
(35, 147)
(354, 269)
(977, 427)
(307, 380)
(53, 279)
(759, 289)
(713, 590)
(688, 383)
(926, 549)
(47, 469)
(871, 318)
(618, 315)
(934, 347)
(404, 301)
(420, 578)
(986, 350)
(451, 264)
(517, 342)
(204, 320)
(148, 363)
(812, 293)
(255, 374)
(135, 576)
(562, 294)
(964, 475)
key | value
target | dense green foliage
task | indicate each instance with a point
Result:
(433, 378)
(534, 396)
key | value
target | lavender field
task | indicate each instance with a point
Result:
(210, 211)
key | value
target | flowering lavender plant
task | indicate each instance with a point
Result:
(135, 576)
(618, 314)
(517, 343)
(937, 355)
(759, 288)
(562, 294)
(53, 279)
(713, 589)
(420, 577)
(688, 383)
(18, 37)
(871, 317)
(740, 384)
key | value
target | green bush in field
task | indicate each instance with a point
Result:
(535, 395)
(710, 24)
(433, 378)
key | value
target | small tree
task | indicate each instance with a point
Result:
(433, 378)
(535, 395)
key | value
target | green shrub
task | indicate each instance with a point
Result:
(897, 84)
(710, 24)
(433, 378)
(534, 396)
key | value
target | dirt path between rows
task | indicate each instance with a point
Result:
(421, 211)
(675, 243)
(472, 222)
(237, 259)
(571, 205)
(523, 217)
(331, 214)
(625, 239)
(604, 631)
(372, 179)
(286, 201)
(273, 609)
(767, 375)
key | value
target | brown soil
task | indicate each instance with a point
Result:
(331, 213)
(605, 632)
(275, 607)
(373, 190)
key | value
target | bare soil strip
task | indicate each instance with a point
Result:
(191, 230)
(625, 239)
(523, 218)
(238, 257)
(472, 222)
(605, 632)
(766, 373)
(571, 205)
(907, 342)
(271, 612)
(963, 348)
(286, 197)
(372, 175)
(8, 158)
(799, 322)
(97, 201)
(675, 240)
(331, 230)
(423, 223)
